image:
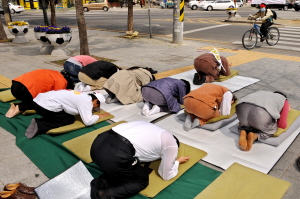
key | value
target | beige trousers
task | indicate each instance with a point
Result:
(94, 84)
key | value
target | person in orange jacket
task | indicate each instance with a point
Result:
(29, 85)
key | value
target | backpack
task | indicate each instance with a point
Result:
(274, 14)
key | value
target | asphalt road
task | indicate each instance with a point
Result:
(198, 24)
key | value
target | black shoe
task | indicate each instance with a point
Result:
(298, 162)
(262, 39)
(151, 70)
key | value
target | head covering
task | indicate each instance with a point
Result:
(99, 96)
(262, 5)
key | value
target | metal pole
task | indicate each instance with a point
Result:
(150, 29)
(178, 17)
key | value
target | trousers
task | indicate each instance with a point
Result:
(123, 176)
(20, 92)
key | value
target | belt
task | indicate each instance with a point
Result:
(125, 140)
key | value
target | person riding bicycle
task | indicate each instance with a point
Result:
(266, 16)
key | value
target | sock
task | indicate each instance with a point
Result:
(87, 88)
(188, 123)
(195, 123)
(155, 109)
(32, 129)
(114, 100)
(146, 109)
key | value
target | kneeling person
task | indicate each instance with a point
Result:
(164, 95)
(119, 151)
(58, 108)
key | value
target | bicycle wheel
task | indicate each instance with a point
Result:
(273, 36)
(250, 39)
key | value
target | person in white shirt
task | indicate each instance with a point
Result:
(119, 152)
(58, 108)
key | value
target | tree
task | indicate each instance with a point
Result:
(130, 16)
(6, 11)
(53, 17)
(84, 46)
(3, 35)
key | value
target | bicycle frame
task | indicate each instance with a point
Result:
(257, 27)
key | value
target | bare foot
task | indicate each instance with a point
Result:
(16, 111)
(9, 113)
(251, 137)
(243, 140)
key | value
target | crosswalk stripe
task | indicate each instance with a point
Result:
(294, 30)
(293, 27)
(287, 38)
(284, 47)
(289, 43)
(295, 33)
(289, 35)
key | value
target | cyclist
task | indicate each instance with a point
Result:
(266, 15)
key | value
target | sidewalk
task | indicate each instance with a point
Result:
(276, 72)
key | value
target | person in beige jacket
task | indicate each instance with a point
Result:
(266, 16)
(125, 85)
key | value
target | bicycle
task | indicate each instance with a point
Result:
(250, 37)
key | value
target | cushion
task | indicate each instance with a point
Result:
(6, 96)
(78, 124)
(215, 123)
(275, 141)
(81, 145)
(239, 181)
(157, 184)
(292, 116)
(223, 78)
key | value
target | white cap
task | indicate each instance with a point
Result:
(99, 96)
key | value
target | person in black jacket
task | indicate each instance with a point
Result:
(94, 75)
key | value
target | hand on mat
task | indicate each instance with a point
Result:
(182, 160)
(103, 115)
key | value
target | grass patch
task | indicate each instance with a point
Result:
(7, 40)
(62, 61)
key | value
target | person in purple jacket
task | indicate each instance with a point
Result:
(164, 95)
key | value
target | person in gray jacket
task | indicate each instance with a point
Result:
(260, 114)
(164, 95)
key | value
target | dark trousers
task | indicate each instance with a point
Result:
(114, 155)
(51, 120)
(20, 92)
(264, 28)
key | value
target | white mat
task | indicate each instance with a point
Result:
(74, 183)
(233, 84)
(129, 113)
(222, 146)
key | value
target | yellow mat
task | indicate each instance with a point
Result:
(223, 78)
(239, 181)
(81, 145)
(6, 96)
(78, 124)
(292, 116)
(157, 184)
(5, 82)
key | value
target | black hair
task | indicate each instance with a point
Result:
(70, 82)
(280, 93)
(177, 141)
(134, 68)
(187, 84)
(94, 97)
(153, 78)
(234, 98)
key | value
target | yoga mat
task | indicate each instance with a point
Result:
(157, 184)
(81, 145)
(222, 145)
(129, 113)
(78, 124)
(52, 158)
(5, 82)
(6, 96)
(239, 181)
(233, 84)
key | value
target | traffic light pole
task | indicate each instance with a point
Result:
(178, 17)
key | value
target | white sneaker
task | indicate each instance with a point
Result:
(87, 88)
(155, 109)
(146, 109)
(79, 86)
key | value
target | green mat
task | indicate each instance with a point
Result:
(52, 158)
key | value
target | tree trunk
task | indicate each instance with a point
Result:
(3, 35)
(84, 46)
(6, 11)
(53, 17)
(44, 7)
(130, 16)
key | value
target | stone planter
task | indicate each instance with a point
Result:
(59, 41)
(231, 13)
(19, 32)
(47, 47)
